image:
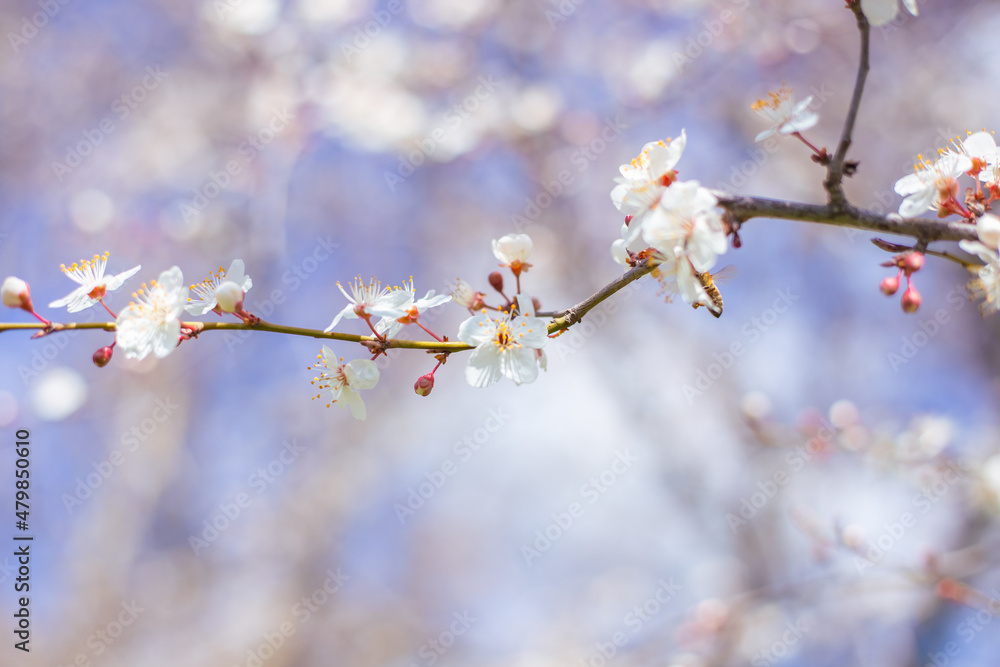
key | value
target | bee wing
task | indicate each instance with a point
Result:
(725, 274)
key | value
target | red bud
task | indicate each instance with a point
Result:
(424, 384)
(911, 300)
(890, 285)
(103, 356)
(913, 261)
(496, 281)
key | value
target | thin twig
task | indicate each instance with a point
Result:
(835, 170)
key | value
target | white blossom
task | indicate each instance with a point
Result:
(89, 274)
(784, 115)
(644, 179)
(370, 300)
(880, 12)
(505, 347)
(152, 322)
(931, 184)
(206, 293)
(688, 218)
(513, 250)
(412, 308)
(343, 381)
(987, 283)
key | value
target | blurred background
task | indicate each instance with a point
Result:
(810, 479)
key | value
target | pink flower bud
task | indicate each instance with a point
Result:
(17, 294)
(628, 219)
(536, 304)
(424, 384)
(911, 300)
(103, 356)
(496, 281)
(890, 285)
(913, 261)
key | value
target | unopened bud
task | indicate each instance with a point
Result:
(890, 285)
(911, 300)
(229, 296)
(913, 261)
(17, 294)
(103, 356)
(496, 281)
(536, 304)
(628, 219)
(424, 384)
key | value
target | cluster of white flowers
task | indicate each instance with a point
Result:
(934, 185)
(508, 342)
(678, 224)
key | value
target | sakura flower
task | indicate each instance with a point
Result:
(987, 285)
(981, 149)
(93, 285)
(688, 218)
(206, 293)
(505, 347)
(784, 116)
(389, 326)
(644, 179)
(880, 12)
(513, 250)
(152, 323)
(345, 380)
(677, 275)
(370, 300)
(933, 185)
(463, 294)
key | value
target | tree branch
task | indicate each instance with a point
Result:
(835, 170)
(741, 208)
